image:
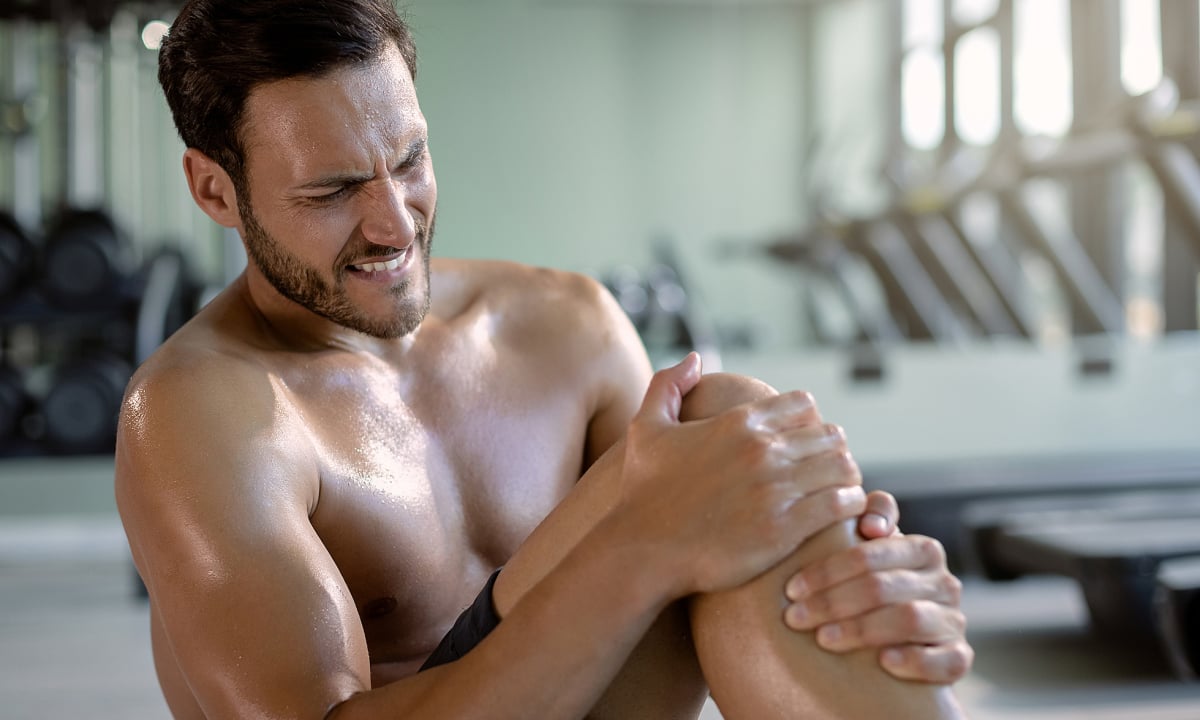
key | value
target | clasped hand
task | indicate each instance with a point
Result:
(893, 592)
(794, 478)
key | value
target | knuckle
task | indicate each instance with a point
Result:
(876, 589)
(756, 449)
(931, 550)
(739, 416)
(848, 468)
(804, 397)
(952, 588)
(838, 505)
(910, 617)
(959, 662)
(959, 622)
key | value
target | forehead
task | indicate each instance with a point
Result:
(349, 115)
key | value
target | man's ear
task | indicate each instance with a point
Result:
(212, 188)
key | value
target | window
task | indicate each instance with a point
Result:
(1141, 46)
(977, 86)
(1043, 84)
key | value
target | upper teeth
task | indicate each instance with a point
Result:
(379, 266)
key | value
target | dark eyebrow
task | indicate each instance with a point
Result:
(416, 148)
(335, 181)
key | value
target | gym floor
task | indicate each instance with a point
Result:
(74, 640)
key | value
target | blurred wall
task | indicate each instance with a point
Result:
(572, 134)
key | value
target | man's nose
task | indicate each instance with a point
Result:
(388, 219)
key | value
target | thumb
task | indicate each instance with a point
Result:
(664, 396)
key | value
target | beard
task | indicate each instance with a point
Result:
(306, 287)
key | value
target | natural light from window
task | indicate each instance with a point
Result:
(1042, 101)
(977, 87)
(1141, 46)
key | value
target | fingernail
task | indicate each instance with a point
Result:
(892, 657)
(796, 589)
(829, 634)
(875, 523)
(796, 617)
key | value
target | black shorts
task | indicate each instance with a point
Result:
(475, 623)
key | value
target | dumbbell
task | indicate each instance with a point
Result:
(16, 257)
(80, 411)
(1177, 613)
(14, 402)
(86, 262)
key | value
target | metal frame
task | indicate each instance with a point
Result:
(1180, 21)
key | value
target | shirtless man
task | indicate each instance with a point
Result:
(323, 468)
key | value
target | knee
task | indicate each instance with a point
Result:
(718, 392)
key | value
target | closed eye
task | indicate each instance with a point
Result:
(416, 155)
(330, 197)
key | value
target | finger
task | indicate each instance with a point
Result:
(813, 512)
(800, 443)
(941, 664)
(895, 552)
(866, 593)
(664, 396)
(784, 411)
(921, 622)
(881, 517)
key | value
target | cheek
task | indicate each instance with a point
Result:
(320, 238)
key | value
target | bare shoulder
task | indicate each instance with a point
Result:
(202, 419)
(564, 327)
(535, 304)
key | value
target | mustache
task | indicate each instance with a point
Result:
(421, 240)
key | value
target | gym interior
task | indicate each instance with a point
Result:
(970, 227)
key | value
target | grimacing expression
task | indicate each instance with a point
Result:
(338, 200)
(303, 285)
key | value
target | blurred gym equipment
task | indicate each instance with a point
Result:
(1111, 542)
(96, 14)
(86, 262)
(16, 257)
(1177, 609)
(663, 310)
(14, 400)
(95, 314)
(81, 409)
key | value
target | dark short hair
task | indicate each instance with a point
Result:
(218, 51)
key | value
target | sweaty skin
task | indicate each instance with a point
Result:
(311, 506)
(418, 482)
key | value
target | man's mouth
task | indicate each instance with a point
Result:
(383, 265)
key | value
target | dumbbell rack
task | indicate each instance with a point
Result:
(66, 371)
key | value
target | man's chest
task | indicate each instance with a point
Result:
(421, 497)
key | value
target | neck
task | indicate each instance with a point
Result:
(295, 327)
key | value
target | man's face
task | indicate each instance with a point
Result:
(342, 195)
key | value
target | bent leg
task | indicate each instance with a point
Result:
(758, 668)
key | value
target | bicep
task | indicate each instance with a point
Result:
(624, 372)
(252, 607)
(260, 623)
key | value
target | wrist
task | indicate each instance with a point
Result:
(651, 572)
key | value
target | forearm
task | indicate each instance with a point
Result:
(553, 654)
